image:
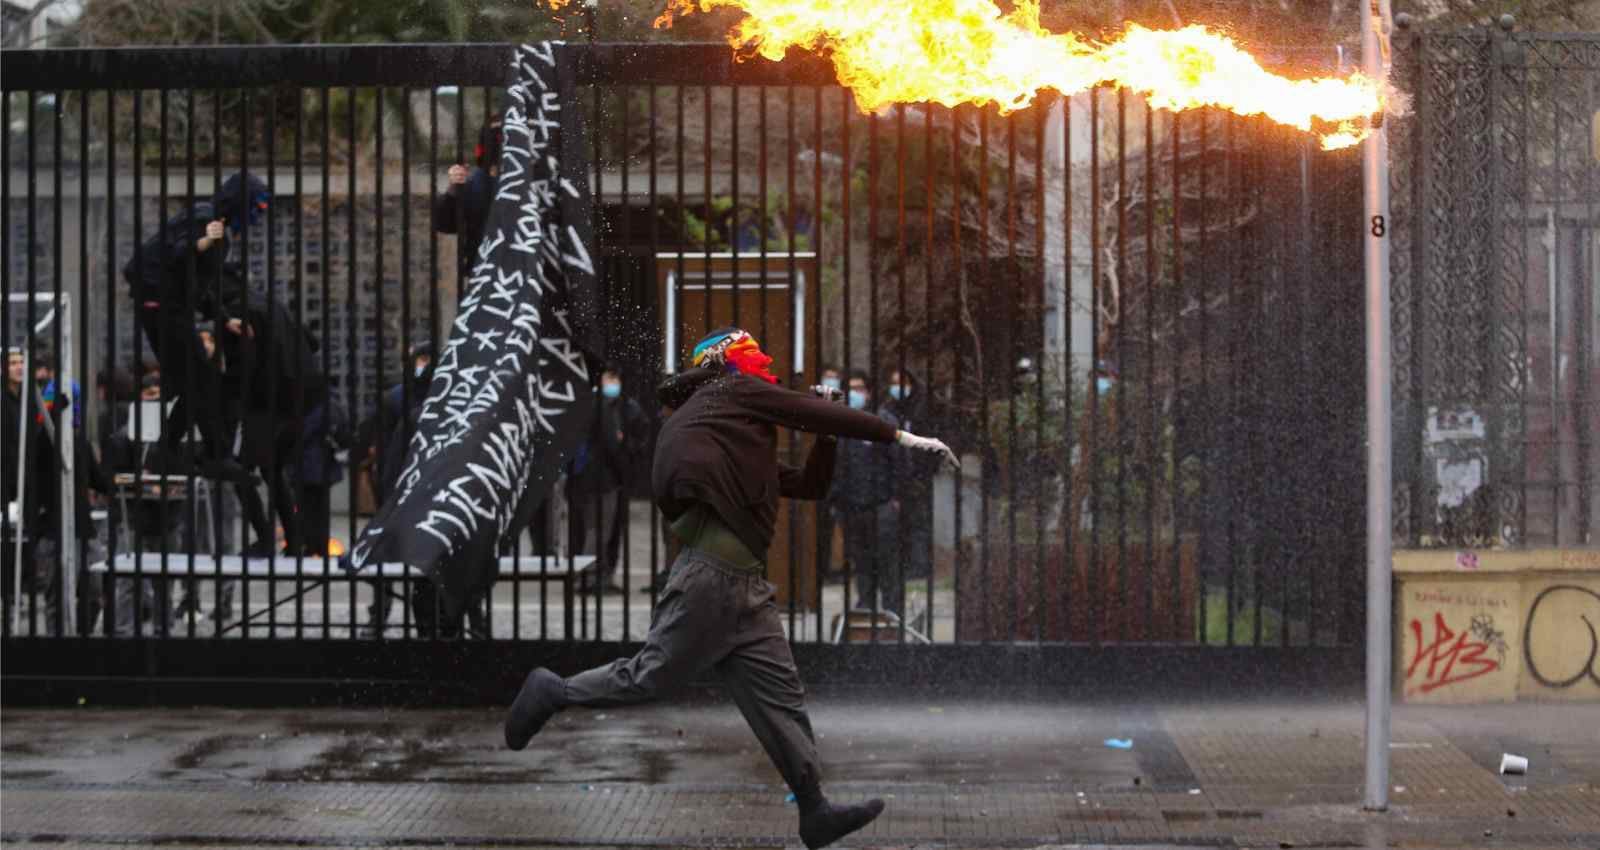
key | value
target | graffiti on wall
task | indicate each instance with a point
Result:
(1561, 669)
(1453, 656)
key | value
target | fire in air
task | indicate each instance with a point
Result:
(954, 52)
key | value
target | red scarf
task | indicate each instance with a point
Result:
(746, 356)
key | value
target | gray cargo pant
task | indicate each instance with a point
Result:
(713, 616)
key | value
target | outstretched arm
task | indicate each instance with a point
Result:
(790, 409)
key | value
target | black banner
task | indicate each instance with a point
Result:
(513, 390)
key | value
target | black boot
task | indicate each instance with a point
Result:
(543, 694)
(822, 822)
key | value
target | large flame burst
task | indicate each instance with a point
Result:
(952, 52)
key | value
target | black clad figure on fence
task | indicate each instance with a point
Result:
(176, 274)
(717, 480)
(464, 207)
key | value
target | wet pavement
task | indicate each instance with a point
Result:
(688, 773)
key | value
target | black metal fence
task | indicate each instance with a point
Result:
(1497, 266)
(1141, 330)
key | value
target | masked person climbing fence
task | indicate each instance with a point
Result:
(717, 480)
(174, 275)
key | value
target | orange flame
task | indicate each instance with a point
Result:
(952, 52)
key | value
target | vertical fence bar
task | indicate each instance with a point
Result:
(957, 306)
(30, 346)
(1179, 347)
(1583, 348)
(733, 193)
(1039, 609)
(1010, 371)
(1151, 426)
(652, 265)
(799, 331)
(113, 538)
(300, 321)
(676, 294)
(905, 480)
(1069, 514)
(135, 333)
(1207, 426)
(930, 165)
(877, 555)
(1120, 387)
(216, 386)
(244, 201)
(593, 523)
(847, 179)
(326, 322)
(378, 256)
(815, 316)
(66, 503)
(1232, 176)
(490, 115)
(12, 592)
(295, 507)
(624, 504)
(86, 591)
(352, 316)
(1091, 448)
(165, 589)
(213, 501)
(984, 435)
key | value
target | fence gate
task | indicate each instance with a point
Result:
(1496, 186)
(1143, 331)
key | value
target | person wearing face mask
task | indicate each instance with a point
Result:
(910, 515)
(717, 480)
(596, 479)
(830, 377)
(176, 273)
(859, 501)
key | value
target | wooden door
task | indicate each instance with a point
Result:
(776, 302)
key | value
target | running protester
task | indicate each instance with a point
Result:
(717, 480)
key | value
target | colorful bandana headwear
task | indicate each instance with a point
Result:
(737, 350)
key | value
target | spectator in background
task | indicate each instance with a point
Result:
(911, 510)
(24, 510)
(860, 500)
(463, 209)
(617, 443)
(831, 377)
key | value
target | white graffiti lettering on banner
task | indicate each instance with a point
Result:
(508, 374)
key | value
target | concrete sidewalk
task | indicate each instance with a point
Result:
(688, 773)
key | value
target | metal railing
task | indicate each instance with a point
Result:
(1142, 330)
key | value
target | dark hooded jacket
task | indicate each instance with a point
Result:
(719, 448)
(275, 368)
(170, 282)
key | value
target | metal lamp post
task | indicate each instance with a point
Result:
(1380, 567)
